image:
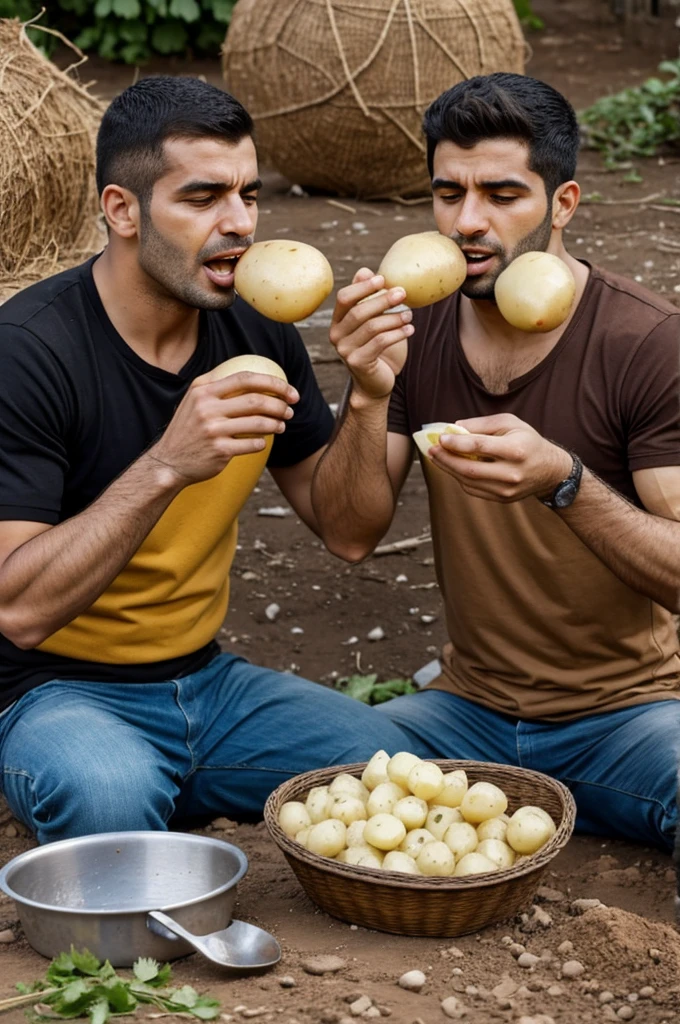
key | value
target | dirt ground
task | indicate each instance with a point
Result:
(628, 949)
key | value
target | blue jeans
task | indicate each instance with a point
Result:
(621, 766)
(84, 757)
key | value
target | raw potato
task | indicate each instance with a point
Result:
(436, 859)
(361, 856)
(425, 780)
(528, 833)
(355, 834)
(411, 810)
(284, 280)
(439, 818)
(535, 292)
(375, 771)
(461, 839)
(531, 809)
(383, 799)
(318, 803)
(483, 800)
(492, 828)
(429, 435)
(396, 860)
(414, 841)
(399, 767)
(327, 838)
(427, 265)
(455, 788)
(384, 831)
(347, 809)
(474, 864)
(293, 817)
(502, 855)
(302, 836)
(347, 784)
(248, 363)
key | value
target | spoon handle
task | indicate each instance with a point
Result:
(168, 928)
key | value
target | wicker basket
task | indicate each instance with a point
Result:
(412, 905)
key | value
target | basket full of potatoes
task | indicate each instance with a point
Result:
(419, 847)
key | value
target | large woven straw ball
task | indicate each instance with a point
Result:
(337, 88)
(48, 126)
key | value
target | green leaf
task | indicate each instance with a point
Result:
(187, 10)
(127, 8)
(99, 1011)
(60, 968)
(358, 687)
(169, 37)
(222, 10)
(88, 38)
(103, 8)
(85, 962)
(206, 1011)
(185, 996)
(119, 996)
(145, 968)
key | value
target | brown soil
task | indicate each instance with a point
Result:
(583, 53)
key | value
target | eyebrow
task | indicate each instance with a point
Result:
(489, 186)
(217, 186)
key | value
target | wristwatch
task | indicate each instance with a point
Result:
(567, 489)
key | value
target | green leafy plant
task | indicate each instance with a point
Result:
(130, 30)
(526, 15)
(638, 121)
(368, 690)
(77, 984)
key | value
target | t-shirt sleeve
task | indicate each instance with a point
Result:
(397, 416)
(313, 422)
(33, 427)
(651, 399)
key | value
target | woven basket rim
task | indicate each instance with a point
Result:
(399, 880)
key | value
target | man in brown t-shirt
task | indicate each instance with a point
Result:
(558, 552)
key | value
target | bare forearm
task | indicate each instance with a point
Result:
(52, 578)
(352, 494)
(643, 550)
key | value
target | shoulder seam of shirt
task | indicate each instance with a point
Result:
(44, 305)
(613, 284)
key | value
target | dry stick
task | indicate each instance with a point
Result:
(403, 545)
(341, 206)
(623, 202)
(666, 209)
(27, 997)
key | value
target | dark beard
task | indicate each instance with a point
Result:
(536, 241)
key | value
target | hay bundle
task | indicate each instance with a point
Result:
(338, 88)
(48, 200)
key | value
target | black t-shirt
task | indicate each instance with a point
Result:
(77, 406)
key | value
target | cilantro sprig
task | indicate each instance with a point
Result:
(77, 984)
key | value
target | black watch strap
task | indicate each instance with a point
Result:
(567, 489)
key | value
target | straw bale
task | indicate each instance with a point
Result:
(48, 200)
(337, 88)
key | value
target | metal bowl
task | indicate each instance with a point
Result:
(95, 892)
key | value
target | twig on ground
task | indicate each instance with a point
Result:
(403, 545)
(623, 202)
(341, 206)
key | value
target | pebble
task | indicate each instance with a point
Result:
(454, 951)
(517, 949)
(507, 940)
(539, 919)
(360, 1006)
(272, 612)
(609, 1013)
(7, 936)
(647, 992)
(527, 960)
(572, 969)
(580, 906)
(548, 895)
(457, 971)
(376, 634)
(220, 824)
(606, 996)
(555, 990)
(565, 947)
(11, 831)
(372, 1011)
(325, 964)
(505, 988)
(451, 1007)
(625, 1012)
(655, 955)
(287, 981)
(412, 981)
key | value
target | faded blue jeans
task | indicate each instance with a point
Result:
(84, 757)
(621, 766)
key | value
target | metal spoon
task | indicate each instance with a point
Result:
(240, 946)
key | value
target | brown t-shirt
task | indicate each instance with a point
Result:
(539, 628)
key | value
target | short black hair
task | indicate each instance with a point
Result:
(139, 121)
(505, 105)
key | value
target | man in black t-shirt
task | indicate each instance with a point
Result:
(122, 472)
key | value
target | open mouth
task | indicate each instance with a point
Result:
(220, 269)
(478, 262)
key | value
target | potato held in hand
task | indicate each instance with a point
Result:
(248, 363)
(284, 280)
(430, 433)
(535, 293)
(428, 266)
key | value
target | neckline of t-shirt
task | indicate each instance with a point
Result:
(187, 372)
(519, 382)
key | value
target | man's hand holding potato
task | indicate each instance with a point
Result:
(513, 461)
(371, 341)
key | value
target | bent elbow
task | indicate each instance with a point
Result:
(21, 631)
(352, 553)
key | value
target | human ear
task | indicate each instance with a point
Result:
(564, 203)
(121, 210)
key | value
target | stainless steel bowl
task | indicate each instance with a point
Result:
(96, 892)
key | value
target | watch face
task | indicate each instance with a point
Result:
(565, 494)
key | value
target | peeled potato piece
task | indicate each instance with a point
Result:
(474, 864)
(528, 833)
(284, 280)
(294, 816)
(384, 831)
(535, 292)
(397, 860)
(439, 818)
(427, 265)
(414, 841)
(483, 800)
(375, 771)
(436, 859)
(430, 433)
(399, 767)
